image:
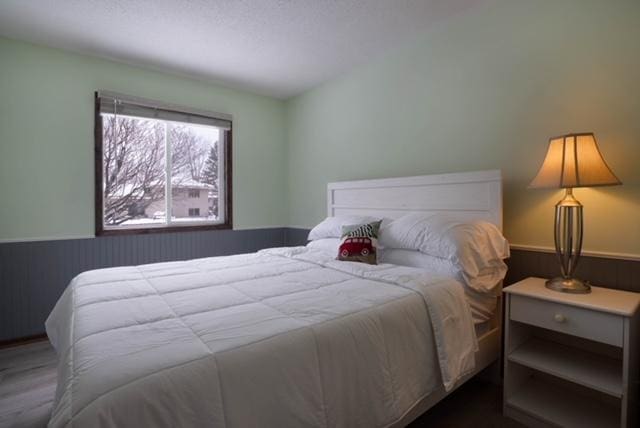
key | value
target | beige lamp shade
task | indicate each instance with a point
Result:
(574, 160)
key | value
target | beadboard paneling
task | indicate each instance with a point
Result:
(295, 236)
(600, 271)
(34, 274)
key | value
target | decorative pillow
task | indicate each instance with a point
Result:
(359, 243)
(331, 227)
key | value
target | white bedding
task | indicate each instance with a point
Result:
(483, 305)
(283, 337)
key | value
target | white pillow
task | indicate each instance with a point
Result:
(331, 227)
(413, 258)
(478, 247)
(328, 245)
(482, 304)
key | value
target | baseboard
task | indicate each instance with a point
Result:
(23, 341)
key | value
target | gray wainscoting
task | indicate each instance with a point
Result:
(294, 237)
(601, 271)
(34, 274)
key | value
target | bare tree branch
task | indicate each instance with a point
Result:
(134, 164)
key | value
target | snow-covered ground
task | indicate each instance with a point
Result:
(143, 221)
(193, 219)
(136, 221)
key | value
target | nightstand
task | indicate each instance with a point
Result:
(571, 360)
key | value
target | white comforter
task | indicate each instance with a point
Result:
(284, 337)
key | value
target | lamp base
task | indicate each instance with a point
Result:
(568, 285)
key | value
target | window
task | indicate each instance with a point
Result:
(160, 167)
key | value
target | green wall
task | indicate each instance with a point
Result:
(486, 90)
(46, 139)
(483, 90)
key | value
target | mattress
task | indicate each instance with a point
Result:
(282, 337)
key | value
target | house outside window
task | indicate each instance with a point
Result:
(160, 167)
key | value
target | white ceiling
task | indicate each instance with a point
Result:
(273, 47)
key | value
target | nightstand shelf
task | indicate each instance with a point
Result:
(561, 406)
(571, 360)
(576, 365)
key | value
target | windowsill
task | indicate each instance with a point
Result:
(167, 229)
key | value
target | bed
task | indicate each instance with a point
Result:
(282, 337)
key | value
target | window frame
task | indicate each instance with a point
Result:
(227, 190)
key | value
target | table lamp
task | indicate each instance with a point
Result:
(572, 160)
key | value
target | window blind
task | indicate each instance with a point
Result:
(125, 105)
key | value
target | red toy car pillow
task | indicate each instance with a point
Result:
(359, 243)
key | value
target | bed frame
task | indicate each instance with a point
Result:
(467, 196)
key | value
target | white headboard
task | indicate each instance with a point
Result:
(467, 195)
